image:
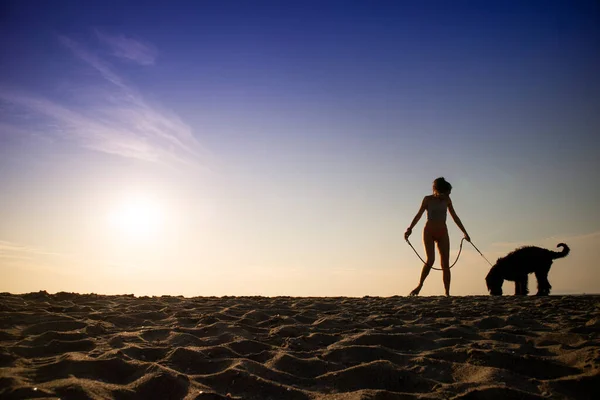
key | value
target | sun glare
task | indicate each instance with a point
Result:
(137, 217)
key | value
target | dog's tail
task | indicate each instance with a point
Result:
(563, 253)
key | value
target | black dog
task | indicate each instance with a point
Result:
(516, 266)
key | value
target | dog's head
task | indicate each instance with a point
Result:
(494, 281)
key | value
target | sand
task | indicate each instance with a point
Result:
(73, 346)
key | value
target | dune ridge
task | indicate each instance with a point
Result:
(88, 346)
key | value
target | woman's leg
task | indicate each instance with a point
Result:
(430, 251)
(444, 249)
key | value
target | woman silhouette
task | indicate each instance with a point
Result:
(436, 230)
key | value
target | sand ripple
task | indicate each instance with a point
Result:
(73, 346)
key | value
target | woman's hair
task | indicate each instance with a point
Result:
(442, 186)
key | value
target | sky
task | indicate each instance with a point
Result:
(270, 148)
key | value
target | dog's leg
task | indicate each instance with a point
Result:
(543, 283)
(521, 286)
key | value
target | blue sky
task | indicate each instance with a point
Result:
(283, 147)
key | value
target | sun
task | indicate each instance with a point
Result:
(137, 217)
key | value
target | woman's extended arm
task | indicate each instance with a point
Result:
(457, 220)
(416, 218)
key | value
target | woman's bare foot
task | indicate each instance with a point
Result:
(416, 291)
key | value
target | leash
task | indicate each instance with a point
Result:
(457, 256)
(481, 254)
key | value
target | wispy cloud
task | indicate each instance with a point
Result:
(27, 268)
(129, 49)
(14, 250)
(120, 122)
(548, 241)
(93, 60)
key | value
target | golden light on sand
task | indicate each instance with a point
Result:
(137, 217)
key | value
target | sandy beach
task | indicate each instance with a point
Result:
(88, 346)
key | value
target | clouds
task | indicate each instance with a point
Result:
(129, 48)
(93, 61)
(110, 115)
(17, 251)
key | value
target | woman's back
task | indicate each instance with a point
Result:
(436, 209)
